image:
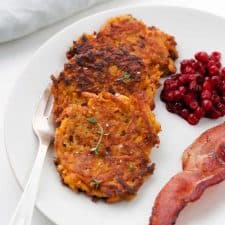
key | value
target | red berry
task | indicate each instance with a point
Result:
(201, 68)
(218, 64)
(183, 64)
(183, 78)
(192, 119)
(213, 63)
(187, 62)
(177, 107)
(192, 85)
(207, 85)
(193, 105)
(213, 70)
(182, 90)
(177, 95)
(215, 98)
(169, 96)
(214, 114)
(174, 84)
(167, 82)
(215, 56)
(191, 77)
(215, 80)
(188, 69)
(206, 94)
(188, 98)
(207, 104)
(202, 57)
(221, 107)
(199, 112)
(170, 107)
(184, 113)
(194, 65)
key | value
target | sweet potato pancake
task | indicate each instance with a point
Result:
(102, 105)
(103, 148)
(156, 48)
(102, 68)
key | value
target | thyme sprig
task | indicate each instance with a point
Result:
(95, 149)
(125, 76)
(95, 183)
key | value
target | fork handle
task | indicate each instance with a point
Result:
(24, 209)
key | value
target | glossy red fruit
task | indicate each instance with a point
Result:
(192, 119)
(199, 112)
(183, 78)
(170, 107)
(177, 107)
(207, 104)
(199, 90)
(215, 56)
(191, 77)
(214, 114)
(183, 64)
(207, 85)
(169, 96)
(215, 98)
(206, 94)
(177, 95)
(182, 90)
(215, 80)
(192, 85)
(221, 107)
(213, 70)
(188, 98)
(213, 63)
(189, 70)
(202, 57)
(201, 68)
(193, 105)
(184, 113)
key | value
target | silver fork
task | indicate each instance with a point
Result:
(44, 129)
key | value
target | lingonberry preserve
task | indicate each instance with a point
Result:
(198, 90)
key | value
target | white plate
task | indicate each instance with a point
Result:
(194, 30)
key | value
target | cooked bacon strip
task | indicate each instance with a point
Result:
(203, 166)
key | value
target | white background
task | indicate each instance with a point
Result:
(13, 58)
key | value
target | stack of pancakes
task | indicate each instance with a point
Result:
(102, 104)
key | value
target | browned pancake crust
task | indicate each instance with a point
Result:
(156, 48)
(99, 69)
(122, 162)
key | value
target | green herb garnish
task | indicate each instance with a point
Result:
(95, 149)
(95, 183)
(125, 76)
(92, 120)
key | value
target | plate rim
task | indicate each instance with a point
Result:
(12, 91)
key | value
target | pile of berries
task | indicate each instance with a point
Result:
(198, 90)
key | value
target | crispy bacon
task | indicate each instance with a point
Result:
(203, 166)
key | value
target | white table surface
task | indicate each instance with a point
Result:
(13, 58)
